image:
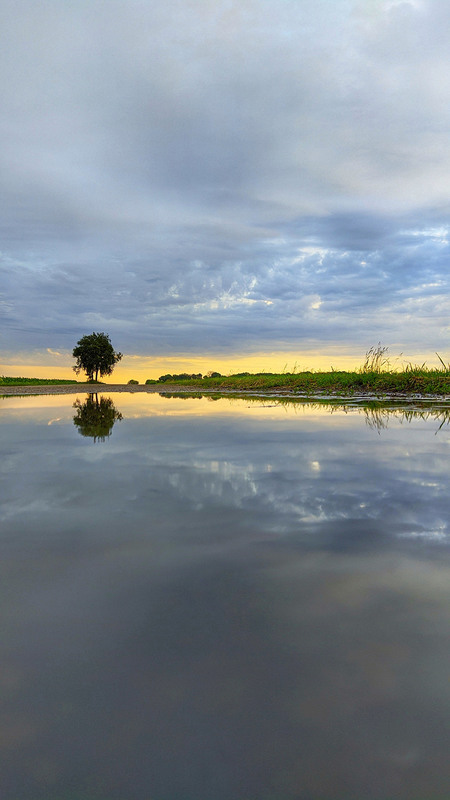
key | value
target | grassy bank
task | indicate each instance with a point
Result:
(409, 381)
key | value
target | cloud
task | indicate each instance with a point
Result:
(246, 175)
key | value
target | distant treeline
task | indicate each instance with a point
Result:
(185, 376)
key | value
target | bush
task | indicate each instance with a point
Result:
(133, 382)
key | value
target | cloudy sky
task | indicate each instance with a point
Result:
(203, 179)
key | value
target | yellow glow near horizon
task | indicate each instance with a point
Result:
(59, 409)
(141, 368)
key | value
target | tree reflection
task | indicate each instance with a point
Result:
(96, 417)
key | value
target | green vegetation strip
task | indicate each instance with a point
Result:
(415, 381)
(5, 381)
(410, 381)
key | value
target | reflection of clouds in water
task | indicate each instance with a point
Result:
(222, 477)
(438, 534)
(158, 625)
(300, 497)
(288, 477)
(270, 667)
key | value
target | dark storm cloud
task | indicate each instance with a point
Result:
(273, 173)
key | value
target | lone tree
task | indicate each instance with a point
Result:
(95, 355)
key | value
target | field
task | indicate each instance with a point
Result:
(5, 381)
(417, 382)
(412, 381)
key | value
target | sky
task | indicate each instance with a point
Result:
(224, 185)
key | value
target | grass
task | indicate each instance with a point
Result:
(413, 380)
(418, 380)
(5, 381)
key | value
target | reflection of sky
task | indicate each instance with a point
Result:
(296, 470)
(245, 604)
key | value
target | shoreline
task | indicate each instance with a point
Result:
(77, 388)
(359, 397)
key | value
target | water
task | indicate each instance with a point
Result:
(223, 600)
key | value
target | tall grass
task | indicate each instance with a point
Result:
(376, 360)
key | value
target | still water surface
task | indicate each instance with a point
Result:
(223, 600)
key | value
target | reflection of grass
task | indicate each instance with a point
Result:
(377, 413)
(183, 395)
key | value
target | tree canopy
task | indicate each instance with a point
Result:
(95, 355)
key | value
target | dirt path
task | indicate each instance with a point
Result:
(80, 388)
(105, 388)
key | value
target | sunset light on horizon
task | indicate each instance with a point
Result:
(141, 368)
